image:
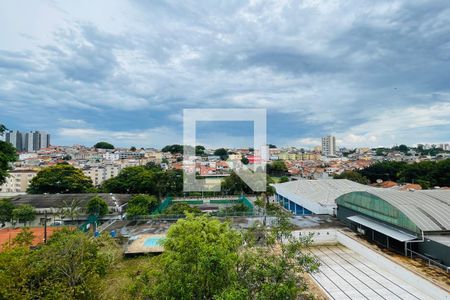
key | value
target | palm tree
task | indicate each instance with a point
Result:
(71, 208)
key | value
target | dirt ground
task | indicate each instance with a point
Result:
(8, 234)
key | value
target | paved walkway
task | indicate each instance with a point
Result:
(344, 274)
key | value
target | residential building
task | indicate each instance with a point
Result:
(28, 141)
(329, 145)
(17, 181)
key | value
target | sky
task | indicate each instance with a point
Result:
(372, 73)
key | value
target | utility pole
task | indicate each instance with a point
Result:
(45, 227)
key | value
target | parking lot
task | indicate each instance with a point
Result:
(344, 274)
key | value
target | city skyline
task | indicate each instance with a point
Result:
(373, 75)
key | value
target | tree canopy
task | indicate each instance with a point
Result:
(103, 145)
(425, 173)
(8, 154)
(6, 211)
(175, 148)
(70, 266)
(353, 176)
(277, 168)
(141, 205)
(61, 178)
(222, 152)
(204, 258)
(97, 206)
(23, 213)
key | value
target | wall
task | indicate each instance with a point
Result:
(321, 236)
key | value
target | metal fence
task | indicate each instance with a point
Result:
(431, 262)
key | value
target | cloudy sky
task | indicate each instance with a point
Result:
(122, 71)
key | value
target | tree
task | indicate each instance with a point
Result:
(8, 155)
(141, 205)
(6, 211)
(198, 261)
(24, 238)
(70, 266)
(245, 160)
(173, 149)
(97, 206)
(277, 168)
(199, 150)
(284, 179)
(61, 178)
(353, 176)
(222, 152)
(180, 209)
(71, 208)
(133, 148)
(134, 180)
(385, 170)
(103, 145)
(23, 213)
(233, 184)
(272, 146)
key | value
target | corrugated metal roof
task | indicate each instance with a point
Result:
(428, 209)
(322, 191)
(384, 229)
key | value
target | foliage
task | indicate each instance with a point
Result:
(61, 178)
(23, 213)
(199, 150)
(353, 176)
(133, 148)
(425, 173)
(2, 129)
(70, 208)
(237, 208)
(222, 152)
(97, 206)
(283, 179)
(24, 238)
(233, 184)
(173, 149)
(103, 145)
(207, 259)
(245, 160)
(198, 262)
(6, 210)
(7, 155)
(180, 209)
(271, 146)
(69, 266)
(147, 179)
(141, 205)
(277, 168)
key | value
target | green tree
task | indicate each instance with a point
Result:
(70, 266)
(61, 178)
(6, 211)
(8, 154)
(283, 179)
(199, 150)
(173, 149)
(233, 185)
(97, 206)
(24, 238)
(198, 262)
(23, 213)
(385, 170)
(180, 209)
(141, 205)
(222, 152)
(133, 148)
(71, 208)
(272, 146)
(103, 145)
(353, 176)
(245, 160)
(277, 168)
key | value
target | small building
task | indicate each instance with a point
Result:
(410, 222)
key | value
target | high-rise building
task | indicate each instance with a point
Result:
(28, 141)
(15, 138)
(329, 145)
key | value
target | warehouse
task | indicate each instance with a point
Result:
(415, 223)
(305, 197)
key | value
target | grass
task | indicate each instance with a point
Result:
(120, 278)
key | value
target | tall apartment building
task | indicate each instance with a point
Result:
(17, 181)
(28, 141)
(329, 145)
